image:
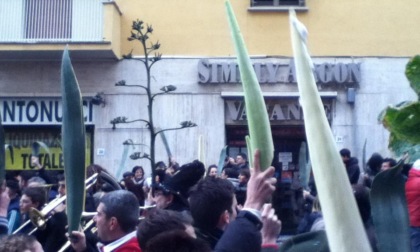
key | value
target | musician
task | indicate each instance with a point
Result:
(32, 197)
(116, 220)
(52, 237)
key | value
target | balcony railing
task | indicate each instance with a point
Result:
(277, 3)
(51, 21)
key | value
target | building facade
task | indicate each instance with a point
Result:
(360, 50)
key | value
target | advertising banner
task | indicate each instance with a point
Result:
(21, 142)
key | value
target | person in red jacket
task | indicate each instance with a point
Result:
(412, 192)
(116, 220)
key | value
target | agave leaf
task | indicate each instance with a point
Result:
(123, 160)
(248, 148)
(364, 156)
(201, 150)
(257, 117)
(10, 148)
(343, 224)
(412, 71)
(223, 155)
(36, 148)
(304, 169)
(165, 143)
(73, 139)
(307, 242)
(403, 121)
(389, 210)
(2, 154)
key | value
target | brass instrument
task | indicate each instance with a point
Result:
(86, 227)
(89, 224)
(147, 207)
(40, 218)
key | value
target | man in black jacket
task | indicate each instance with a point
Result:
(352, 166)
(213, 208)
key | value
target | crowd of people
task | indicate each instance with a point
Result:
(183, 208)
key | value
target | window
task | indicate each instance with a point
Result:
(277, 2)
(48, 19)
(279, 5)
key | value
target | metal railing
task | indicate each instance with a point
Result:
(277, 3)
(49, 21)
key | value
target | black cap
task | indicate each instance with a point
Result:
(187, 176)
(128, 174)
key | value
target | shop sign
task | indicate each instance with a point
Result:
(19, 151)
(37, 111)
(270, 73)
(278, 111)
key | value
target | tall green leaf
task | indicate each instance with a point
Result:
(166, 144)
(307, 242)
(304, 167)
(10, 148)
(37, 145)
(222, 157)
(73, 139)
(364, 162)
(389, 210)
(343, 224)
(256, 110)
(121, 168)
(201, 150)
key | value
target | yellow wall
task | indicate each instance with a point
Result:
(336, 27)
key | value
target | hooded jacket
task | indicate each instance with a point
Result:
(353, 170)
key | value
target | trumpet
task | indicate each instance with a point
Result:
(39, 218)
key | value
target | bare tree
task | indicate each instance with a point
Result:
(140, 32)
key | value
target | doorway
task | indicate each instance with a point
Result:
(287, 200)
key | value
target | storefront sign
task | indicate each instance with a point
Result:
(20, 142)
(279, 111)
(271, 73)
(37, 111)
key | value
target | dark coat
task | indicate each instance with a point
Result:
(353, 170)
(53, 237)
(136, 188)
(3, 225)
(211, 237)
(240, 235)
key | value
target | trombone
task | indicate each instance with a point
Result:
(89, 224)
(86, 227)
(40, 218)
